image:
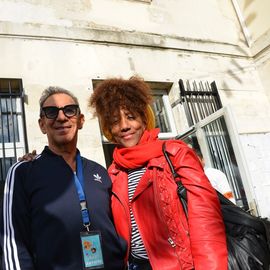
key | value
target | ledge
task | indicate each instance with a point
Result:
(120, 37)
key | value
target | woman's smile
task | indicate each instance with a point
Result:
(127, 129)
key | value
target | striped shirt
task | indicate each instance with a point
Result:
(137, 247)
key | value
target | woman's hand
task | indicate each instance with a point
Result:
(28, 156)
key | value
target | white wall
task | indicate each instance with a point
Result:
(257, 21)
(256, 17)
(188, 19)
(257, 151)
(73, 65)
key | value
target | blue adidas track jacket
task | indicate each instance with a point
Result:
(41, 219)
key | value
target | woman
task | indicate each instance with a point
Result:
(147, 212)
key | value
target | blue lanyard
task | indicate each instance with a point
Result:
(79, 182)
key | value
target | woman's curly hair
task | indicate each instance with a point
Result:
(114, 94)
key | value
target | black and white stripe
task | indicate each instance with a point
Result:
(10, 250)
(137, 247)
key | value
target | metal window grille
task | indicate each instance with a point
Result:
(200, 101)
(12, 124)
(223, 157)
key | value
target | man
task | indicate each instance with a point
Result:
(218, 179)
(56, 208)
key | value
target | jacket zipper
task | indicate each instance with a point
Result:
(171, 242)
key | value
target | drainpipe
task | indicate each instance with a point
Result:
(242, 22)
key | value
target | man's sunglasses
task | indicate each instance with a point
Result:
(51, 112)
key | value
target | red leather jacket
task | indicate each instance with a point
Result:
(172, 242)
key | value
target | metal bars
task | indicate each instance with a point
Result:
(199, 100)
(223, 157)
(12, 128)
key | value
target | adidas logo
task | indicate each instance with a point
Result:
(97, 178)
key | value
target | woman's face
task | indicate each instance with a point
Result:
(127, 129)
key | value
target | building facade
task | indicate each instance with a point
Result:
(75, 44)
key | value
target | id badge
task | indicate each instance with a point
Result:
(91, 250)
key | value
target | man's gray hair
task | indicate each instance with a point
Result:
(51, 90)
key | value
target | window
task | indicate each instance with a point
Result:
(210, 135)
(12, 127)
(163, 113)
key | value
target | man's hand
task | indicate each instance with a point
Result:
(28, 156)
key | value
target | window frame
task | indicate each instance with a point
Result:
(168, 111)
(12, 89)
(197, 129)
(9, 146)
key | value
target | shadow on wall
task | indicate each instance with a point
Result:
(239, 69)
(251, 17)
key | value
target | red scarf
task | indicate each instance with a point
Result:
(137, 156)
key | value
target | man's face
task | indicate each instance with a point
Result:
(62, 130)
